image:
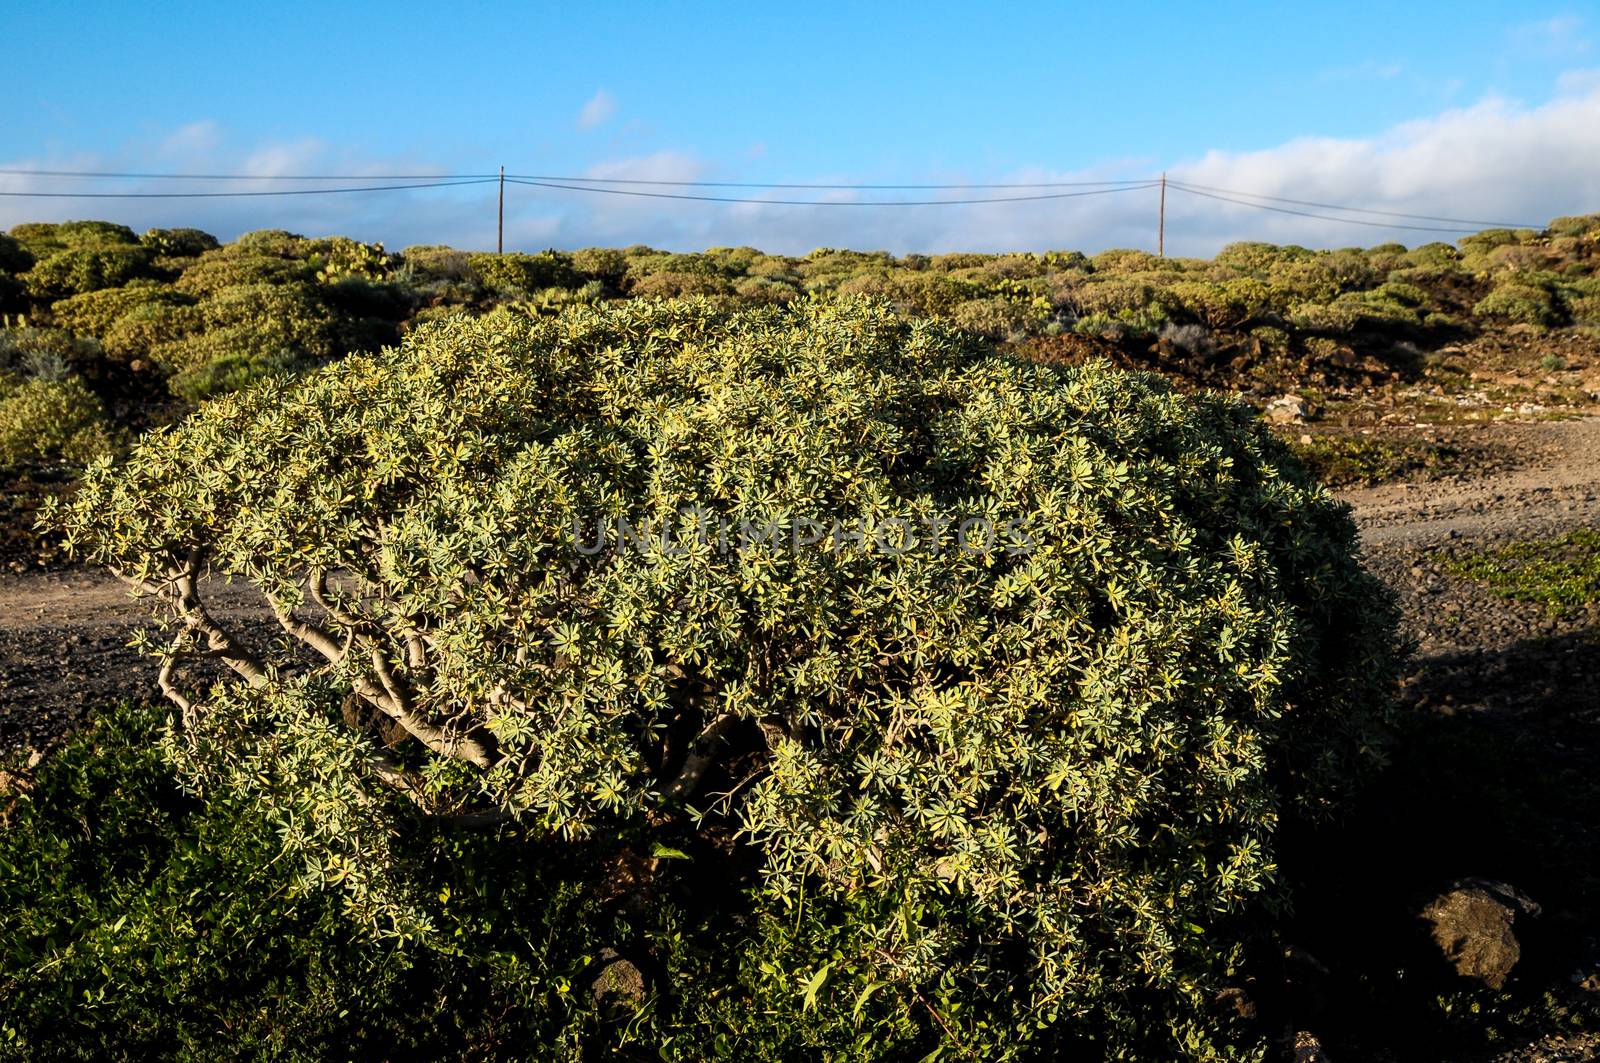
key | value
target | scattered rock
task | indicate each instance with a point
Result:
(619, 980)
(1472, 925)
(1287, 409)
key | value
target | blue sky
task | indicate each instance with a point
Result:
(1470, 109)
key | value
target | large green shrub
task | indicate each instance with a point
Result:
(1522, 301)
(94, 313)
(1014, 736)
(235, 266)
(179, 243)
(49, 420)
(527, 273)
(86, 269)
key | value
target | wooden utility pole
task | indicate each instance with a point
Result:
(1161, 223)
(500, 224)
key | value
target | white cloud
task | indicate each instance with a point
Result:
(1496, 160)
(601, 106)
(1561, 36)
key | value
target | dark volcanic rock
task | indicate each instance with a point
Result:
(1473, 924)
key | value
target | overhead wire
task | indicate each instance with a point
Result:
(126, 175)
(641, 187)
(1321, 217)
(236, 195)
(830, 187)
(1192, 186)
(826, 202)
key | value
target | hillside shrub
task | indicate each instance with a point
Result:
(996, 318)
(95, 313)
(235, 266)
(50, 353)
(601, 263)
(138, 333)
(179, 243)
(49, 420)
(46, 238)
(1007, 792)
(1229, 305)
(526, 273)
(86, 269)
(1519, 301)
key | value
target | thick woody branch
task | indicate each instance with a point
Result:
(179, 589)
(394, 699)
(318, 638)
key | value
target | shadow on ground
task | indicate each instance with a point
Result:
(1497, 777)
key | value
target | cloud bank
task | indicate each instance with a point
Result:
(1495, 160)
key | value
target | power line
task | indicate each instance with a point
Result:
(826, 202)
(142, 176)
(237, 195)
(1365, 210)
(1320, 217)
(1141, 181)
(121, 175)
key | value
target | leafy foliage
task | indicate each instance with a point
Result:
(1029, 786)
(43, 420)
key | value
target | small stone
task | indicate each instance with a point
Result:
(1472, 925)
(619, 980)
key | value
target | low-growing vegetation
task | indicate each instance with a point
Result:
(1563, 575)
(1342, 460)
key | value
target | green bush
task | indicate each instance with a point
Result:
(86, 269)
(138, 923)
(601, 263)
(761, 290)
(46, 420)
(338, 259)
(1579, 225)
(138, 333)
(95, 313)
(46, 238)
(1125, 260)
(672, 285)
(526, 273)
(234, 266)
(1008, 793)
(245, 334)
(273, 243)
(1519, 301)
(227, 361)
(50, 353)
(1259, 259)
(996, 318)
(179, 243)
(1230, 305)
